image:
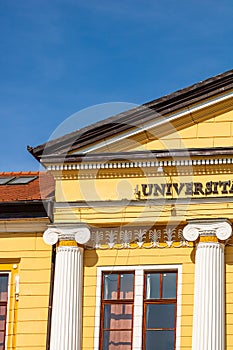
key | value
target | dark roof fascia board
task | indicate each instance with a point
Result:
(125, 121)
(23, 209)
(139, 155)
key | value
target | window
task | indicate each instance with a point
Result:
(138, 307)
(4, 180)
(159, 310)
(22, 180)
(117, 311)
(3, 308)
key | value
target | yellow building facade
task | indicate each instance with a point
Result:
(25, 260)
(142, 230)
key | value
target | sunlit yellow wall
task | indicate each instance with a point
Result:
(106, 186)
(184, 256)
(215, 132)
(137, 257)
(141, 211)
(121, 188)
(27, 326)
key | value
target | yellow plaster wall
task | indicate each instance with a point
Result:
(152, 214)
(137, 257)
(142, 211)
(121, 188)
(215, 132)
(27, 326)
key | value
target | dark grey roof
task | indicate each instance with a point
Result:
(134, 117)
(141, 155)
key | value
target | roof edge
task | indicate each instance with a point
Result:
(138, 155)
(121, 122)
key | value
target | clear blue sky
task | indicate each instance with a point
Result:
(60, 56)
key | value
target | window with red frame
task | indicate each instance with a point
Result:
(3, 308)
(160, 300)
(117, 311)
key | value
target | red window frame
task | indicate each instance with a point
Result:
(3, 315)
(115, 301)
(158, 301)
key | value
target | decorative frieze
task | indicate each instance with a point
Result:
(132, 237)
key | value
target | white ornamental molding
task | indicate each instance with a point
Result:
(139, 237)
(50, 236)
(132, 238)
(139, 164)
(191, 233)
(222, 229)
(80, 234)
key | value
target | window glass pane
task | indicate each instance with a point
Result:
(117, 340)
(153, 286)
(110, 286)
(161, 340)
(126, 285)
(118, 316)
(160, 316)
(2, 340)
(22, 180)
(4, 180)
(3, 287)
(169, 285)
(2, 317)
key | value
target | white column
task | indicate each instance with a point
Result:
(209, 288)
(66, 325)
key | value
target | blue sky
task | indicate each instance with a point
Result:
(58, 57)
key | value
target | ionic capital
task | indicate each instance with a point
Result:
(214, 228)
(78, 233)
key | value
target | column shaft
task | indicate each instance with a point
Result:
(66, 327)
(209, 298)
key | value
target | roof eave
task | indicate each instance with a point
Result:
(122, 122)
(138, 155)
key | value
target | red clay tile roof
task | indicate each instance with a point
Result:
(41, 187)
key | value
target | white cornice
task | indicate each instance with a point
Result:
(140, 164)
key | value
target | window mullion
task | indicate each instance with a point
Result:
(138, 310)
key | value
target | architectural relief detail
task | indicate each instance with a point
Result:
(191, 233)
(132, 238)
(136, 237)
(224, 231)
(50, 236)
(80, 234)
(220, 228)
(140, 164)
